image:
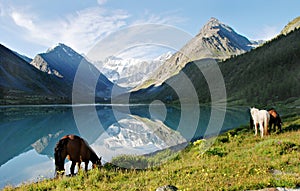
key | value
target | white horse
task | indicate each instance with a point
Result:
(261, 117)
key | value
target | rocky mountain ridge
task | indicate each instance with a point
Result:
(215, 40)
(294, 24)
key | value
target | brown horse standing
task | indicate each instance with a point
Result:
(77, 150)
(275, 120)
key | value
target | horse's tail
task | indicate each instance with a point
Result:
(251, 122)
(266, 122)
(59, 161)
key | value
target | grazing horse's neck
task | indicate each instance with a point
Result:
(94, 157)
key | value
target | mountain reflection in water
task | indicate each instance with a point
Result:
(29, 134)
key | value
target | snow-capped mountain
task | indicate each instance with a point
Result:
(130, 72)
(61, 61)
(215, 40)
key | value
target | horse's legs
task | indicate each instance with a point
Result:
(261, 128)
(72, 167)
(279, 126)
(255, 129)
(266, 128)
(86, 165)
(79, 166)
(270, 127)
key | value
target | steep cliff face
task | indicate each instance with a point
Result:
(40, 63)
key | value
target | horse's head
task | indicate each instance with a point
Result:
(59, 152)
(97, 163)
(59, 170)
(279, 122)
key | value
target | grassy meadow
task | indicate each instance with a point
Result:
(236, 160)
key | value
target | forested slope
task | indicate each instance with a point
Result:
(263, 76)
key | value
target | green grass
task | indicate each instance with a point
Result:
(237, 160)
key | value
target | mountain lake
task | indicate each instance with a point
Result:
(29, 133)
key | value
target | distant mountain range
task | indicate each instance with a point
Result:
(130, 73)
(49, 77)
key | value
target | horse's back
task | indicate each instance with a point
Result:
(262, 114)
(86, 151)
(78, 149)
(74, 147)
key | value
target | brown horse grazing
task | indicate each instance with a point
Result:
(77, 150)
(275, 120)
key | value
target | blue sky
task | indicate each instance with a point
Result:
(32, 26)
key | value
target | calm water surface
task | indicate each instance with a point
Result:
(29, 134)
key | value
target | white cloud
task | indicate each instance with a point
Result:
(139, 37)
(170, 18)
(101, 2)
(23, 20)
(144, 52)
(82, 29)
(85, 28)
(79, 30)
